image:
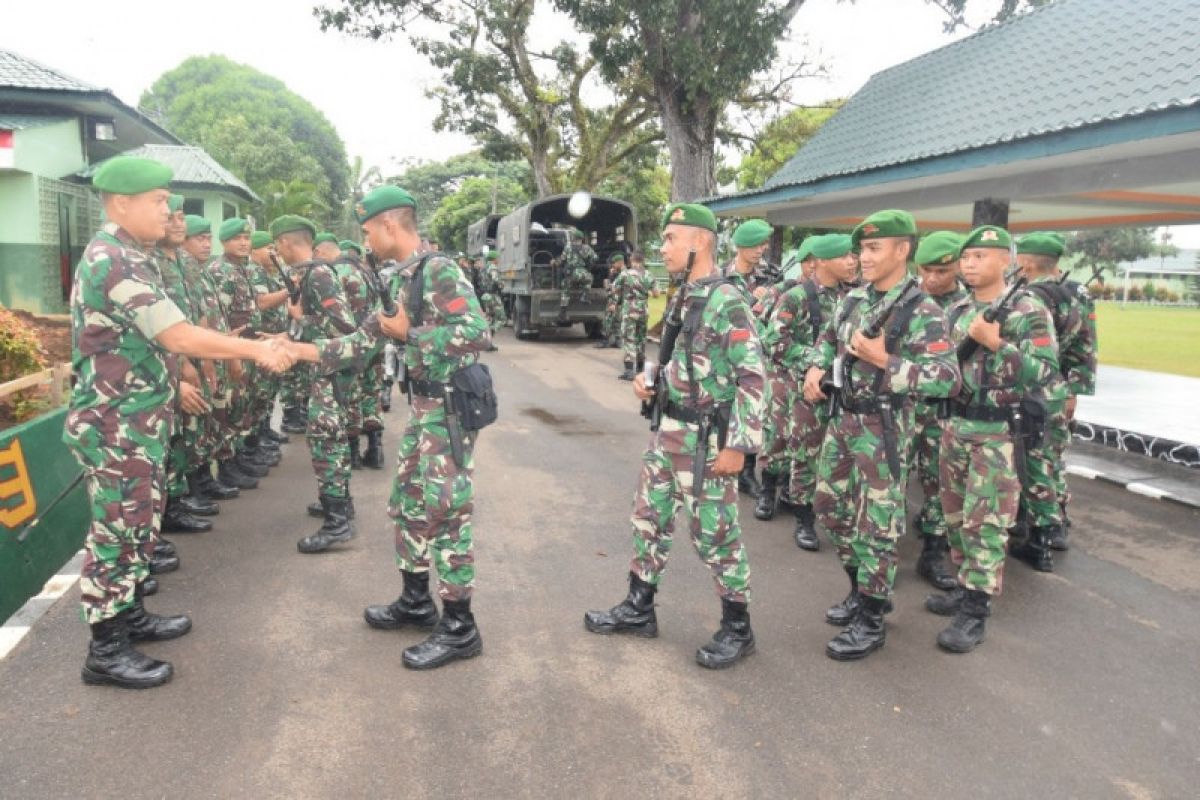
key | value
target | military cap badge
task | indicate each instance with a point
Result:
(360, 209)
(989, 236)
(869, 228)
(678, 214)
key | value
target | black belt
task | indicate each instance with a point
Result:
(869, 406)
(978, 413)
(682, 413)
(432, 389)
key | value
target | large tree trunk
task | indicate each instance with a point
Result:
(691, 141)
(538, 164)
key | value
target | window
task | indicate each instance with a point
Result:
(101, 129)
(193, 205)
(228, 211)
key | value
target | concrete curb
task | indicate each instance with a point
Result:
(19, 624)
(1139, 487)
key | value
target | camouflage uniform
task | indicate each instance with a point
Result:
(979, 485)
(858, 499)
(236, 297)
(633, 287)
(432, 496)
(577, 261)
(491, 300)
(726, 372)
(1077, 360)
(612, 309)
(272, 320)
(120, 414)
(363, 303)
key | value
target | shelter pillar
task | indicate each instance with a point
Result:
(990, 211)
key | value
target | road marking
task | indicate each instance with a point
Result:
(1146, 491)
(10, 637)
(1083, 472)
(20, 623)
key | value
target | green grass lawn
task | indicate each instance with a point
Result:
(1150, 337)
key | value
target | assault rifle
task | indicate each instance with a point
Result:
(385, 297)
(997, 311)
(652, 409)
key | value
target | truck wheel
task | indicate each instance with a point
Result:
(594, 329)
(522, 326)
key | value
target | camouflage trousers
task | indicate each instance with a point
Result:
(327, 426)
(633, 337)
(773, 457)
(664, 488)
(371, 380)
(926, 444)
(350, 397)
(188, 451)
(859, 501)
(1043, 471)
(493, 309)
(805, 435)
(432, 500)
(980, 492)
(294, 389)
(125, 478)
(612, 320)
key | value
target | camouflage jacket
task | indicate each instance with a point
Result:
(359, 293)
(1079, 363)
(749, 283)
(327, 312)
(491, 279)
(792, 332)
(1025, 363)
(188, 297)
(578, 256)
(235, 292)
(201, 280)
(765, 305)
(922, 364)
(727, 368)
(123, 387)
(450, 334)
(266, 280)
(1074, 317)
(632, 288)
(949, 298)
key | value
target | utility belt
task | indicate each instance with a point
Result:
(433, 389)
(1026, 423)
(884, 407)
(715, 418)
(469, 400)
(979, 413)
(870, 407)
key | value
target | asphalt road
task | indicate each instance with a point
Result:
(1086, 686)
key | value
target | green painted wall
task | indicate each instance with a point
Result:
(21, 278)
(19, 221)
(26, 566)
(54, 150)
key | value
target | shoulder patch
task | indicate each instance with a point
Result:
(940, 346)
(739, 335)
(457, 305)
(1042, 341)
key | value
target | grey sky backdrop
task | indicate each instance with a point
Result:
(373, 93)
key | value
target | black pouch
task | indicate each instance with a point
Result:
(474, 397)
(1033, 422)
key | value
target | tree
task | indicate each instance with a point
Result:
(292, 197)
(473, 200)
(699, 56)
(252, 124)
(1102, 250)
(432, 181)
(1005, 9)
(781, 139)
(362, 180)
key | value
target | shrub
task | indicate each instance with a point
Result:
(1135, 294)
(20, 349)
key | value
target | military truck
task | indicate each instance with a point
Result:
(531, 241)
(481, 235)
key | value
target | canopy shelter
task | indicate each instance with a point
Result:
(1080, 114)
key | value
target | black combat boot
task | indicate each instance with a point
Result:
(806, 527)
(270, 434)
(318, 510)
(373, 458)
(230, 474)
(149, 586)
(164, 547)
(336, 527)
(768, 496)
(634, 614)
(945, 604)
(733, 642)
(176, 520)
(204, 485)
(1035, 550)
(163, 564)
(865, 635)
(414, 606)
(146, 627)
(112, 660)
(931, 564)
(385, 397)
(601, 345)
(844, 612)
(294, 420)
(454, 636)
(250, 464)
(641, 362)
(196, 504)
(628, 374)
(356, 461)
(966, 631)
(747, 482)
(1058, 533)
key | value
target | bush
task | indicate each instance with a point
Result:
(20, 348)
(1162, 294)
(1135, 294)
(1109, 292)
(1147, 291)
(1096, 290)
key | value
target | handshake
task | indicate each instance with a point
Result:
(276, 354)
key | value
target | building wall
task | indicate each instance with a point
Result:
(55, 150)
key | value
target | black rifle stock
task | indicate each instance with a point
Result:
(672, 325)
(998, 310)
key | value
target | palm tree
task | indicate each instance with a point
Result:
(292, 197)
(361, 182)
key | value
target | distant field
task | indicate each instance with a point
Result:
(1150, 337)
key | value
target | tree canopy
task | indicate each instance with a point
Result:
(473, 200)
(1103, 249)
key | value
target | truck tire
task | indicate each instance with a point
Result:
(521, 325)
(594, 328)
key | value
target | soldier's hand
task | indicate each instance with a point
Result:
(396, 327)
(209, 370)
(188, 373)
(295, 311)
(986, 333)
(275, 356)
(871, 351)
(729, 462)
(812, 385)
(639, 387)
(191, 400)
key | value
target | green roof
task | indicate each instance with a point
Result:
(193, 168)
(1064, 67)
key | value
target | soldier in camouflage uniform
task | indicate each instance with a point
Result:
(612, 308)
(327, 249)
(493, 297)
(432, 494)
(1044, 500)
(124, 330)
(634, 287)
(863, 468)
(792, 332)
(712, 407)
(371, 379)
(1010, 359)
(577, 261)
(323, 312)
(937, 265)
(270, 296)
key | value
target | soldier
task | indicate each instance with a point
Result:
(710, 395)
(123, 327)
(886, 346)
(432, 494)
(937, 265)
(635, 287)
(271, 296)
(1003, 362)
(751, 240)
(371, 379)
(577, 262)
(764, 306)
(612, 307)
(492, 299)
(792, 332)
(363, 303)
(323, 312)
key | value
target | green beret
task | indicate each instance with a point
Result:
(752, 233)
(691, 214)
(130, 175)
(324, 237)
(804, 251)
(615, 257)
(883, 225)
(1042, 244)
(832, 245)
(197, 225)
(259, 239)
(346, 244)
(231, 228)
(289, 223)
(492, 255)
(576, 233)
(383, 198)
(174, 203)
(938, 248)
(987, 236)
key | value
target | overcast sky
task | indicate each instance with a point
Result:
(373, 93)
